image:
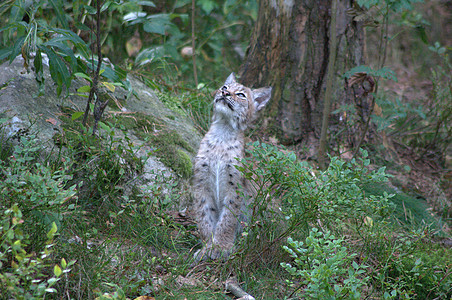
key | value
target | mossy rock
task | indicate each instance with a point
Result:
(162, 125)
(168, 145)
(172, 150)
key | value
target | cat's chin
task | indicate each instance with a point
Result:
(223, 108)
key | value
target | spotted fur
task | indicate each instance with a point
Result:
(217, 203)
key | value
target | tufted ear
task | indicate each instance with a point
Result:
(230, 80)
(261, 97)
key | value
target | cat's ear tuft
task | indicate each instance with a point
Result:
(230, 80)
(261, 97)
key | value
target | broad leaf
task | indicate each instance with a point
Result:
(58, 69)
(17, 48)
(59, 11)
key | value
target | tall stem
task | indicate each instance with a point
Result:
(195, 73)
(381, 61)
(329, 86)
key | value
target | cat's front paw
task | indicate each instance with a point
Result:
(211, 252)
(217, 253)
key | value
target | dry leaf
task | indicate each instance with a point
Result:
(52, 121)
(133, 46)
(357, 78)
(377, 110)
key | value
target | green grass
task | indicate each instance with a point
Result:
(408, 209)
(129, 244)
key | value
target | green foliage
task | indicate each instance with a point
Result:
(36, 188)
(291, 198)
(332, 196)
(118, 294)
(396, 6)
(422, 127)
(168, 31)
(325, 267)
(419, 124)
(37, 37)
(26, 274)
(384, 72)
(403, 272)
(167, 144)
(197, 105)
(42, 41)
(173, 102)
(6, 145)
(104, 162)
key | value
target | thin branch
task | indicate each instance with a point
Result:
(382, 48)
(195, 73)
(231, 285)
(99, 107)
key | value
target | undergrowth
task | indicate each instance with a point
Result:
(309, 234)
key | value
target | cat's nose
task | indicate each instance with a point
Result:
(225, 93)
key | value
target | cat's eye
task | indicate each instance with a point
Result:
(223, 88)
(241, 95)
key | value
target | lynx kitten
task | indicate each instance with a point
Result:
(217, 203)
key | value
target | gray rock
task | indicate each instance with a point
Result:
(25, 110)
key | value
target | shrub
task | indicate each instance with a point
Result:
(325, 267)
(301, 196)
(291, 198)
(37, 189)
(24, 274)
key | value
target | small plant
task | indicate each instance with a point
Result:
(38, 190)
(303, 195)
(6, 146)
(26, 274)
(325, 268)
(102, 162)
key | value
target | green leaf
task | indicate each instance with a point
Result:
(134, 18)
(6, 52)
(157, 23)
(77, 115)
(59, 11)
(64, 48)
(208, 5)
(68, 35)
(17, 48)
(63, 263)
(368, 3)
(58, 69)
(23, 26)
(181, 3)
(146, 3)
(109, 86)
(84, 89)
(16, 245)
(57, 271)
(18, 11)
(420, 31)
(104, 126)
(37, 62)
(150, 55)
(52, 231)
(90, 10)
(358, 69)
(83, 75)
(384, 72)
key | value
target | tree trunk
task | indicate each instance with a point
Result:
(289, 51)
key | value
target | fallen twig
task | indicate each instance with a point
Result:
(232, 286)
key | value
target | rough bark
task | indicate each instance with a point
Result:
(289, 51)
